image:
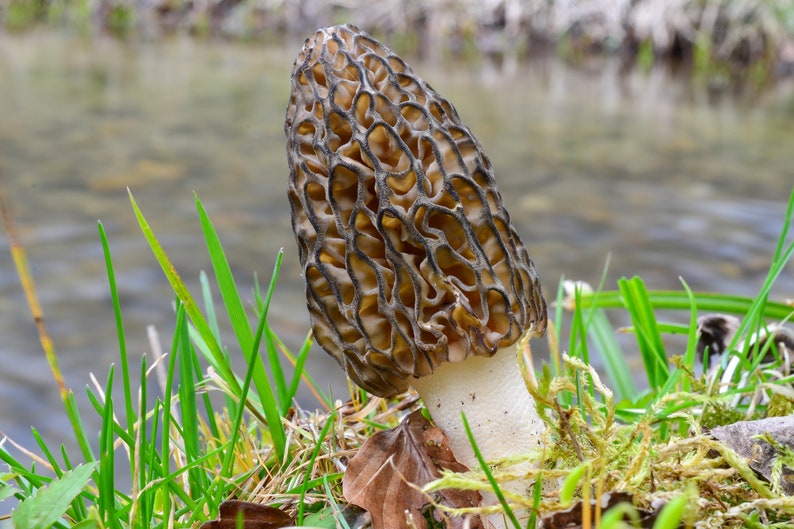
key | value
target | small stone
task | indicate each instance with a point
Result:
(744, 438)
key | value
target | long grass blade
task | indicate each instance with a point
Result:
(114, 295)
(488, 474)
(168, 418)
(649, 340)
(228, 457)
(189, 410)
(105, 477)
(181, 291)
(779, 255)
(603, 336)
(315, 452)
(301, 374)
(239, 320)
(141, 474)
(209, 305)
(279, 380)
(73, 412)
(228, 288)
(579, 347)
(782, 256)
(54, 465)
(272, 413)
(692, 337)
(679, 300)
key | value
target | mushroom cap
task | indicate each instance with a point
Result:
(408, 253)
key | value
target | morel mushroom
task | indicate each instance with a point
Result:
(414, 274)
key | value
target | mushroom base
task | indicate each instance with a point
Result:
(501, 413)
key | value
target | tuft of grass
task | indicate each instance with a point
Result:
(185, 451)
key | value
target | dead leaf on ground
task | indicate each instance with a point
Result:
(386, 475)
(254, 516)
(747, 438)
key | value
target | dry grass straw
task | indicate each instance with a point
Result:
(319, 447)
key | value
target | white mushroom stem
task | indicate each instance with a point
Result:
(500, 411)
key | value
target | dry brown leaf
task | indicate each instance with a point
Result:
(385, 477)
(254, 516)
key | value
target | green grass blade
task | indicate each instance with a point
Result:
(301, 374)
(580, 350)
(782, 256)
(77, 425)
(141, 472)
(559, 304)
(690, 356)
(274, 362)
(316, 482)
(537, 496)
(249, 344)
(228, 288)
(300, 363)
(125, 369)
(168, 418)
(79, 509)
(270, 407)
(315, 452)
(212, 320)
(679, 300)
(30, 480)
(47, 453)
(279, 380)
(572, 482)
(329, 494)
(228, 458)
(617, 369)
(578, 338)
(779, 255)
(488, 474)
(579, 332)
(649, 341)
(192, 309)
(105, 477)
(672, 513)
(209, 305)
(189, 410)
(238, 317)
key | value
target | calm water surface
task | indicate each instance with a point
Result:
(669, 178)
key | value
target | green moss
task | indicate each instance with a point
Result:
(720, 415)
(780, 405)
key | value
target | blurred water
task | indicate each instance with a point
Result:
(670, 178)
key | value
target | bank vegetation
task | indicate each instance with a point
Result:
(738, 34)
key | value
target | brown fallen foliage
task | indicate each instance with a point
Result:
(387, 474)
(248, 515)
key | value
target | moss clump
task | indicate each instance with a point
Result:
(660, 456)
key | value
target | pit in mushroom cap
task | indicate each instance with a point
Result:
(408, 252)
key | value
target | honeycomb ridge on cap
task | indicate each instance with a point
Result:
(408, 253)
